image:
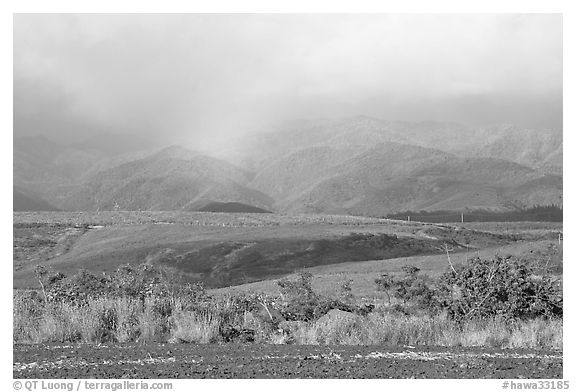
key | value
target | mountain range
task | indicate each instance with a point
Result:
(358, 165)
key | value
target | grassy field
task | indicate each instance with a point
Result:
(231, 249)
(191, 218)
(241, 256)
(138, 321)
(328, 278)
(528, 230)
(223, 253)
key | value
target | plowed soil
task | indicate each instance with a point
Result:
(278, 361)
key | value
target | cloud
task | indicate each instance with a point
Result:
(192, 77)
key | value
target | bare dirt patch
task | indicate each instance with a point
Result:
(36, 243)
(278, 361)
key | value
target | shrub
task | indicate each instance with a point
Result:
(301, 303)
(139, 281)
(346, 295)
(299, 300)
(79, 288)
(191, 294)
(411, 288)
(500, 303)
(500, 287)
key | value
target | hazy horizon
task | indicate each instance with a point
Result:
(196, 78)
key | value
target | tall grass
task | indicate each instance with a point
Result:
(437, 330)
(97, 321)
(131, 320)
(191, 327)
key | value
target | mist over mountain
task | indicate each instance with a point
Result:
(24, 201)
(356, 165)
(540, 149)
(171, 179)
(532, 147)
(115, 144)
(394, 177)
(343, 113)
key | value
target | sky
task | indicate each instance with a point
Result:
(201, 78)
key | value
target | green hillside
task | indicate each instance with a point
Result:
(224, 249)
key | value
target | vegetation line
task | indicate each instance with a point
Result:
(547, 213)
(490, 303)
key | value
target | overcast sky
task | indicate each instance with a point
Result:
(197, 77)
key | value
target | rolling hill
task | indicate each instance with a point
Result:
(357, 165)
(535, 148)
(221, 249)
(172, 179)
(395, 177)
(38, 158)
(52, 170)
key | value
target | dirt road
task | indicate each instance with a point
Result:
(278, 361)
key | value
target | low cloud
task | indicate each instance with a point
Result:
(194, 78)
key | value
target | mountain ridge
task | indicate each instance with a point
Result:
(358, 165)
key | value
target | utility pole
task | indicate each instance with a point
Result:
(462, 217)
(408, 218)
(446, 248)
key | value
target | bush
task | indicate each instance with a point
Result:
(470, 305)
(346, 295)
(500, 287)
(138, 282)
(301, 303)
(411, 288)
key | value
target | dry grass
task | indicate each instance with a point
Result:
(395, 330)
(191, 327)
(129, 320)
(102, 319)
